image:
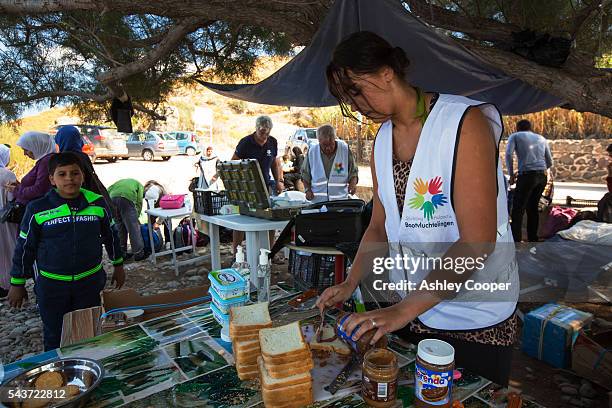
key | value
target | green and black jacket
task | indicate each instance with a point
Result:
(64, 238)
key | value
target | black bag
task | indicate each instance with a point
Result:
(604, 208)
(13, 212)
(342, 222)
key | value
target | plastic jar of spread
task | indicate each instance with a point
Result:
(433, 377)
(379, 378)
(362, 345)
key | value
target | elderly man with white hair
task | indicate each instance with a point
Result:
(261, 146)
(329, 172)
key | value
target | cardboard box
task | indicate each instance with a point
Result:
(550, 330)
(592, 357)
(114, 299)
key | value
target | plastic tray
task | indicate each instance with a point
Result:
(221, 318)
(224, 306)
(228, 283)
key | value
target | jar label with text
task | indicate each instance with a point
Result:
(432, 386)
(378, 391)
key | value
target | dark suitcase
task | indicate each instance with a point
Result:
(342, 222)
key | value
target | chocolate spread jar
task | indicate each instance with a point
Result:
(362, 345)
(379, 378)
(433, 377)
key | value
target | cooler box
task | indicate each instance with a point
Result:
(549, 331)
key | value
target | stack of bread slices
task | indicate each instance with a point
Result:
(284, 366)
(245, 324)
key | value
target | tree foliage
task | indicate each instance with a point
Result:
(87, 52)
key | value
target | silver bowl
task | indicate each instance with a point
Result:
(82, 372)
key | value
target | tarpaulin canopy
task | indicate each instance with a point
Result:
(437, 63)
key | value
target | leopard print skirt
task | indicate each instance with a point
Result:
(502, 334)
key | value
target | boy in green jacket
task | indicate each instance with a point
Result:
(127, 195)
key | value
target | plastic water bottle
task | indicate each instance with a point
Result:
(264, 273)
(243, 268)
(188, 202)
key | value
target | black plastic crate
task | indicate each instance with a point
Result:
(209, 202)
(311, 270)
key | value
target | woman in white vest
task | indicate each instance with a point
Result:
(438, 190)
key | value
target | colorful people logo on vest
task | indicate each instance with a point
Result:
(338, 168)
(428, 196)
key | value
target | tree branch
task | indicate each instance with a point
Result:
(583, 15)
(483, 29)
(298, 19)
(81, 95)
(57, 94)
(144, 42)
(148, 111)
(174, 36)
(587, 93)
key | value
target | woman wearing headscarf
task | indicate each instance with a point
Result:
(8, 231)
(37, 146)
(68, 139)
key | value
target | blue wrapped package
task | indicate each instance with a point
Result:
(549, 331)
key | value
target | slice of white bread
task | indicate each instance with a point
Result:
(301, 356)
(246, 360)
(283, 341)
(286, 396)
(247, 371)
(298, 396)
(249, 318)
(245, 338)
(245, 346)
(268, 383)
(286, 370)
(246, 332)
(336, 346)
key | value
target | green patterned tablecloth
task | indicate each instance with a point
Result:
(178, 360)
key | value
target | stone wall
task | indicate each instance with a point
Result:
(573, 160)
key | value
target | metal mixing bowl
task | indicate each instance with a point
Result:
(82, 372)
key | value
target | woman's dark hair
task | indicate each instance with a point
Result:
(362, 52)
(523, 126)
(64, 159)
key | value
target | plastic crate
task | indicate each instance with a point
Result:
(209, 202)
(311, 270)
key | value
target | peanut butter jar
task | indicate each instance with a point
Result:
(434, 367)
(379, 378)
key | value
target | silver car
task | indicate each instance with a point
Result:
(302, 138)
(149, 145)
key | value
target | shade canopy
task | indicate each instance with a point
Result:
(437, 63)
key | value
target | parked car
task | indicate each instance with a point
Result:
(302, 138)
(107, 143)
(188, 142)
(149, 145)
(89, 148)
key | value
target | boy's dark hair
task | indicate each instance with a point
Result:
(64, 159)
(609, 149)
(523, 126)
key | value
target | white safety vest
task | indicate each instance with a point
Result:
(428, 216)
(209, 169)
(336, 187)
